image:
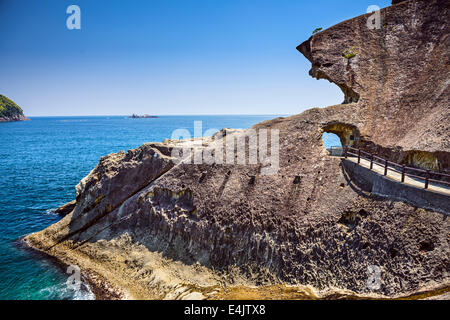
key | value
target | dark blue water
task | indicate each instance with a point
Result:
(41, 162)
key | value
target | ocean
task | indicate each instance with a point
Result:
(41, 162)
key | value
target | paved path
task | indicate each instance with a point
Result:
(398, 177)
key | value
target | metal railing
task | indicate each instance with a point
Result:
(405, 171)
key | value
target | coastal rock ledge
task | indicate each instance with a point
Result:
(144, 227)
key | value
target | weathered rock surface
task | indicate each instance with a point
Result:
(145, 227)
(399, 76)
(9, 111)
(66, 209)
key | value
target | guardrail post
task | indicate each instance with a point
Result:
(385, 167)
(371, 161)
(359, 155)
(427, 179)
(403, 173)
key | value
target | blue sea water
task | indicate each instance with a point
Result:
(42, 160)
(331, 140)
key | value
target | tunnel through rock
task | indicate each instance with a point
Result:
(348, 134)
(331, 140)
(332, 144)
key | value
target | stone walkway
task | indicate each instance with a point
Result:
(398, 177)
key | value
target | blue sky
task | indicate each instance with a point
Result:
(166, 56)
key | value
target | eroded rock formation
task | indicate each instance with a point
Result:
(146, 227)
(399, 76)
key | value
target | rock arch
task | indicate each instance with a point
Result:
(347, 133)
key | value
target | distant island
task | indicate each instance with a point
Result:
(10, 111)
(145, 116)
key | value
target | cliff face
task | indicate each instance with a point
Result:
(9, 111)
(146, 227)
(399, 76)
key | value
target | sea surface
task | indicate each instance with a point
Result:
(42, 160)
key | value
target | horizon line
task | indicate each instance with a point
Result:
(164, 115)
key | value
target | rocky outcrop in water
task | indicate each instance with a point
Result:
(145, 116)
(147, 226)
(9, 111)
(66, 209)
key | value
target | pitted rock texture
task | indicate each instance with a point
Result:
(399, 75)
(149, 227)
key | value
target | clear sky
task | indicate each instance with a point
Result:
(166, 56)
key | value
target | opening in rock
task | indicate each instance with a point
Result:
(332, 143)
(347, 135)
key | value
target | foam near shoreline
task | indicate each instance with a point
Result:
(90, 289)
